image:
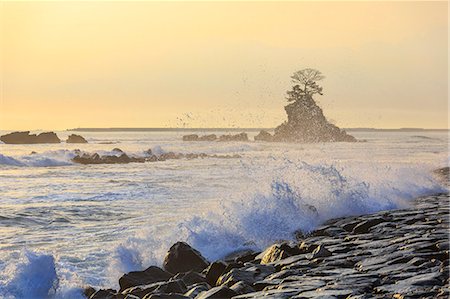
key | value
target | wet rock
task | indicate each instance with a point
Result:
(221, 292)
(196, 289)
(26, 138)
(183, 258)
(248, 274)
(88, 291)
(365, 226)
(214, 271)
(278, 252)
(191, 277)
(74, 138)
(241, 256)
(320, 252)
(165, 296)
(242, 288)
(150, 275)
(104, 294)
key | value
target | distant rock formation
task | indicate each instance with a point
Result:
(27, 138)
(237, 137)
(74, 138)
(195, 137)
(213, 137)
(122, 158)
(306, 122)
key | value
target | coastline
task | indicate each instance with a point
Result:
(390, 254)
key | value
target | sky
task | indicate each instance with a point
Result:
(220, 64)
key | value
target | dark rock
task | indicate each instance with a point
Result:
(214, 271)
(150, 275)
(248, 274)
(73, 138)
(183, 258)
(241, 256)
(242, 288)
(88, 292)
(197, 289)
(237, 137)
(320, 252)
(165, 296)
(27, 138)
(264, 136)
(221, 292)
(191, 137)
(104, 294)
(210, 137)
(173, 286)
(365, 226)
(191, 277)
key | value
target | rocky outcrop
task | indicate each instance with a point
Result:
(74, 138)
(390, 254)
(306, 123)
(27, 138)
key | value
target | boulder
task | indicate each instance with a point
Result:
(365, 226)
(242, 288)
(214, 271)
(320, 252)
(150, 275)
(278, 252)
(183, 258)
(27, 138)
(248, 274)
(221, 292)
(73, 138)
(197, 289)
(190, 278)
(263, 136)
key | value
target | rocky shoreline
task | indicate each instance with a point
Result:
(389, 254)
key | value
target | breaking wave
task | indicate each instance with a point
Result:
(301, 197)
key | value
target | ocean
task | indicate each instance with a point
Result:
(65, 225)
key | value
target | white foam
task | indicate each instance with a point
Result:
(48, 158)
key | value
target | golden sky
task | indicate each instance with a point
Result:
(220, 64)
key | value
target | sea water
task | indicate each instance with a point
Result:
(65, 225)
